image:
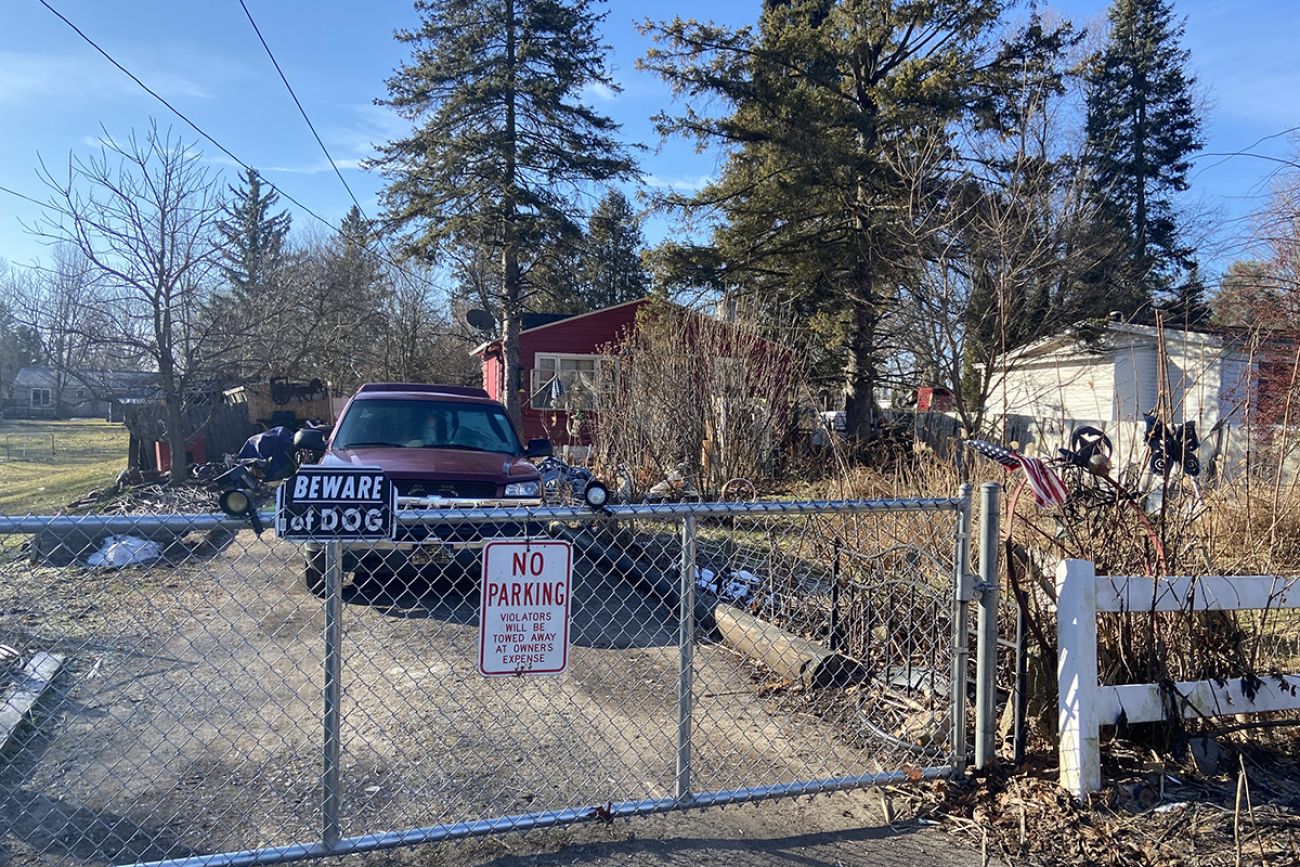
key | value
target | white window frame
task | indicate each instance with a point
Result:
(558, 357)
(49, 397)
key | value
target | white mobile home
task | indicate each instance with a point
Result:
(1109, 375)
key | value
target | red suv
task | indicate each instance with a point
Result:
(441, 445)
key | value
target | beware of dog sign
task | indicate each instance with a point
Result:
(336, 504)
(524, 608)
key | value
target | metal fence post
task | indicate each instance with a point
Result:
(963, 593)
(986, 653)
(686, 653)
(331, 796)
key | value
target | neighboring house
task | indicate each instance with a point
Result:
(565, 363)
(1109, 376)
(40, 392)
(560, 363)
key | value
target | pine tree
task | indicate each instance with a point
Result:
(501, 142)
(1142, 128)
(348, 308)
(1187, 306)
(612, 272)
(833, 104)
(254, 236)
(255, 261)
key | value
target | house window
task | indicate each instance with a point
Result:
(42, 397)
(566, 382)
(81, 394)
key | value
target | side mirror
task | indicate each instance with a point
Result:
(539, 448)
(309, 439)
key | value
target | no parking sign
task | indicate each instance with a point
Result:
(524, 608)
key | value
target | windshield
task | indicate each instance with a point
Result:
(427, 424)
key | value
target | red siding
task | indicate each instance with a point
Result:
(588, 334)
(581, 335)
(492, 373)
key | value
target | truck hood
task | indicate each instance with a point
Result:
(398, 463)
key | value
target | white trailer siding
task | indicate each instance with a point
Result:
(1060, 383)
(1137, 383)
(1058, 386)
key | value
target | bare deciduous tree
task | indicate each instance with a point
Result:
(143, 214)
(57, 304)
(999, 249)
(715, 399)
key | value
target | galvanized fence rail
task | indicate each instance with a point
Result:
(225, 698)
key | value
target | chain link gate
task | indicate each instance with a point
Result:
(718, 653)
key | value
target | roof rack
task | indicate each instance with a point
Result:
(424, 388)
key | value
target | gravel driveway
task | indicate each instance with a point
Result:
(186, 722)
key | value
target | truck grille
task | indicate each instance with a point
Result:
(461, 490)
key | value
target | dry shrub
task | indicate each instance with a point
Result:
(1245, 524)
(714, 399)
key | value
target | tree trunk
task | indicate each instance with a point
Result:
(860, 366)
(860, 375)
(511, 308)
(176, 440)
(513, 378)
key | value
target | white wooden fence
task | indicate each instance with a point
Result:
(1085, 705)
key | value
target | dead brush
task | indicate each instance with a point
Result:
(710, 399)
(1135, 525)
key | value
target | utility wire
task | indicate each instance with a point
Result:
(176, 111)
(209, 138)
(389, 259)
(4, 189)
(311, 126)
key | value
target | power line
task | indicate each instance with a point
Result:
(1244, 152)
(174, 110)
(4, 189)
(198, 129)
(311, 126)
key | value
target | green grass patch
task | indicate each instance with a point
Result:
(45, 465)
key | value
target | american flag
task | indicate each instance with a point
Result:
(995, 452)
(1048, 489)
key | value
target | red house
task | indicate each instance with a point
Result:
(560, 365)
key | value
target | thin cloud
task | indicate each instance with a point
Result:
(598, 91)
(320, 167)
(685, 184)
(32, 77)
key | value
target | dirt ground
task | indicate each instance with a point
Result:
(187, 722)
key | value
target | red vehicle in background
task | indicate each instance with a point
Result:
(442, 446)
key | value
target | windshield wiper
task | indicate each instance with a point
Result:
(360, 445)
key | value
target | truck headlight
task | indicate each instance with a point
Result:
(522, 489)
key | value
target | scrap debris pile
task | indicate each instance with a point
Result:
(1156, 813)
(265, 458)
(149, 499)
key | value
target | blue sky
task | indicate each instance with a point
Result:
(56, 93)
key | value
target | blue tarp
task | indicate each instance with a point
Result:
(274, 446)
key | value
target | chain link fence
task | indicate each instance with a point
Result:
(177, 688)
